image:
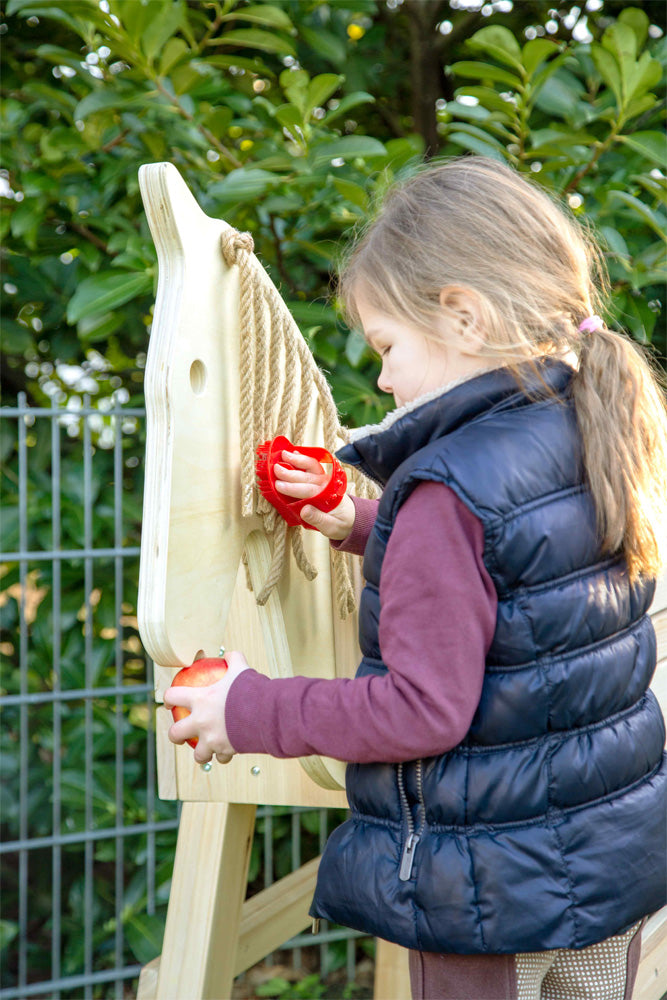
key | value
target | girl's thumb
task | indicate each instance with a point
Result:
(312, 515)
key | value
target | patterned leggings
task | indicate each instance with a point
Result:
(604, 971)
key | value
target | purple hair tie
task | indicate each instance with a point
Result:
(591, 324)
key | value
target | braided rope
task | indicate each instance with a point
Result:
(278, 381)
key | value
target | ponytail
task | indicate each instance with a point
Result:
(620, 407)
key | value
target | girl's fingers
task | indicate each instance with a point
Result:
(304, 462)
(180, 695)
(182, 731)
(300, 476)
(301, 491)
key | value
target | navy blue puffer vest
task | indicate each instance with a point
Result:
(545, 827)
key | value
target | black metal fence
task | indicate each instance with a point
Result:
(87, 847)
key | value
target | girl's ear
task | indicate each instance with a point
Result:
(463, 316)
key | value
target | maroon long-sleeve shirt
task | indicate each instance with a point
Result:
(437, 618)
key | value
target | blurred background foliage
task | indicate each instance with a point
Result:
(289, 118)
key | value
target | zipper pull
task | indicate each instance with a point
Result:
(408, 857)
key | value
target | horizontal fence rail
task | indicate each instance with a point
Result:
(87, 847)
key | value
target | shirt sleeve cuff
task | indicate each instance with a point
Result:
(365, 512)
(241, 710)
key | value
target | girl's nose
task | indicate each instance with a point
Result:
(383, 382)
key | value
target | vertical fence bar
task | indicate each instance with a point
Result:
(118, 614)
(296, 863)
(150, 794)
(88, 659)
(56, 863)
(24, 735)
(91, 975)
(324, 948)
(268, 855)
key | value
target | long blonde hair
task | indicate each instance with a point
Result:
(536, 274)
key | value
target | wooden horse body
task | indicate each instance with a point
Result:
(193, 596)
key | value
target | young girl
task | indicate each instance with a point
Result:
(507, 783)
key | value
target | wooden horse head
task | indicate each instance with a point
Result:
(202, 515)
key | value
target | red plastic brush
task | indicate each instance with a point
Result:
(329, 497)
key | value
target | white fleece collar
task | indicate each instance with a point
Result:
(361, 432)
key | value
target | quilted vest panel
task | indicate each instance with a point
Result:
(545, 827)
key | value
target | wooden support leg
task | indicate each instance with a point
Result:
(199, 953)
(392, 975)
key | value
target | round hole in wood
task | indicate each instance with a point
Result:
(198, 376)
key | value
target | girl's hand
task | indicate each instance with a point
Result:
(206, 721)
(307, 479)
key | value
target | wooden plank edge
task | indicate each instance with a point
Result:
(651, 982)
(275, 915)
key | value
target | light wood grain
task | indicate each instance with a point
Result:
(207, 893)
(276, 914)
(193, 534)
(651, 983)
(392, 974)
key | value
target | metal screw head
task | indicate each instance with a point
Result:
(221, 651)
(255, 771)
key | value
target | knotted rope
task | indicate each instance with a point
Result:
(279, 383)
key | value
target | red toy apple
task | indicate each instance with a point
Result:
(202, 673)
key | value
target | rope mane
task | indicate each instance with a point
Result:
(279, 384)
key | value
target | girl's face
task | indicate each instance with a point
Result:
(413, 364)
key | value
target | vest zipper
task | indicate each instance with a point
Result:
(413, 837)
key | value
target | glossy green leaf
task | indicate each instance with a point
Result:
(295, 83)
(102, 100)
(244, 184)
(498, 42)
(647, 75)
(74, 14)
(480, 134)
(174, 50)
(346, 104)
(489, 99)
(135, 17)
(255, 38)
(536, 51)
(102, 292)
(242, 62)
(289, 116)
(352, 192)
(608, 68)
(8, 931)
(325, 44)
(161, 28)
(654, 219)
(562, 95)
(476, 144)
(638, 22)
(348, 147)
(272, 17)
(615, 242)
(621, 41)
(652, 145)
(321, 88)
(144, 934)
(487, 71)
